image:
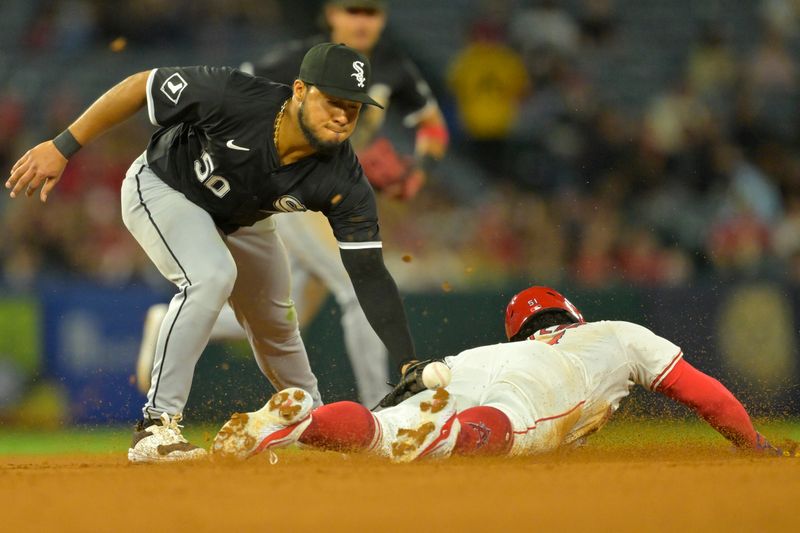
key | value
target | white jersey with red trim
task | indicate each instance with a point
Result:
(644, 352)
(613, 355)
(556, 387)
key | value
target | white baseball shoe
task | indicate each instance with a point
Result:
(436, 434)
(276, 425)
(162, 442)
(147, 349)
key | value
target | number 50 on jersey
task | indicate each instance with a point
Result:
(203, 169)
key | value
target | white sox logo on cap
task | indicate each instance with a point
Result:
(288, 204)
(359, 72)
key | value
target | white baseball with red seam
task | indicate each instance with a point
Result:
(436, 375)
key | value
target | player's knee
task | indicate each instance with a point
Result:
(216, 278)
(280, 338)
(484, 431)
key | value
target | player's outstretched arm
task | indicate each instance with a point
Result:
(711, 401)
(42, 165)
(432, 135)
(379, 298)
(431, 144)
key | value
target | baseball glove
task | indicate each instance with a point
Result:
(410, 384)
(382, 164)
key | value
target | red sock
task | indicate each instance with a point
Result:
(341, 426)
(484, 431)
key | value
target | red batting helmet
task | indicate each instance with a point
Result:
(533, 301)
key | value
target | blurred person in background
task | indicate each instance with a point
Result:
(316, 266)
(488, 80)
(594, 261)
(712, 67)
(598, 22)
(675, 119)
(780, 15)
(786, 239)
(545, 28)
(771, 66)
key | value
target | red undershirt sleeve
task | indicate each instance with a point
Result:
(711, 401)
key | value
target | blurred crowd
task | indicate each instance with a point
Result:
(698, 178)
(550, 177)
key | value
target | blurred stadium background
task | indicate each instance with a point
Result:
(642, 156)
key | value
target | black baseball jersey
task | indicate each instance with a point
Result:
(215, 145)
(394, 77)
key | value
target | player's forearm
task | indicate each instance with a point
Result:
(711, 401)
(380, 300)
(432, 136)
(117, 105)
(43, 165)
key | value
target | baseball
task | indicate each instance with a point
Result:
(436, 375)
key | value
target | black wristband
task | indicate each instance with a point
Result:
(427, 163)
(67, 144)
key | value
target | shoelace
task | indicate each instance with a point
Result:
(172, 424)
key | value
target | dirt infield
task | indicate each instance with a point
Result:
(658, 489)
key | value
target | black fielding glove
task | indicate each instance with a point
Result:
(410, 384)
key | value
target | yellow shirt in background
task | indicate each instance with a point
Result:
(488, 81)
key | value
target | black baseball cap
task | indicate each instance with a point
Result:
(338, 70)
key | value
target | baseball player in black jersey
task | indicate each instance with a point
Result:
(395, 80)
(313, 255)
(231, 151)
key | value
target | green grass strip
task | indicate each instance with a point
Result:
(618, 433)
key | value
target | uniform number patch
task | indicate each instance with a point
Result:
(203, 169)
(173, 87)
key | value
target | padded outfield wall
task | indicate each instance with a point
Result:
(67, 350)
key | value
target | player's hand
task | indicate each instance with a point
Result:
(41, 166)
(406, 366)
(409, 187)
(410, 384)
(787, 449)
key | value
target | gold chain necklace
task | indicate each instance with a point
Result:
(277, 126)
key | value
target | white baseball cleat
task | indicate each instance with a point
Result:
(436, 434)
(276, 425)
(162, 442)
(147, 349)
